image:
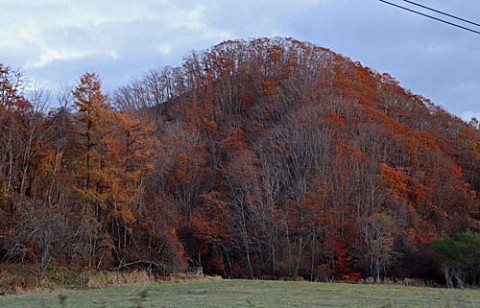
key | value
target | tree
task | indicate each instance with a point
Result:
(378, 233)
(213, 233)
(92, 129)
(37, 219)
(459, 257)
(131, 157)
(14, 112)
(41, 236)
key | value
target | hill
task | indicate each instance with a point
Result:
(261, 158)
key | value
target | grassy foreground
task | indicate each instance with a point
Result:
(253, 293)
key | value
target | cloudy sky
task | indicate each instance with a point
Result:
(55, 41)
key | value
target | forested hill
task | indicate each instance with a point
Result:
(261, 158)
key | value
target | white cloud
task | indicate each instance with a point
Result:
(50, 55)
(71, 30)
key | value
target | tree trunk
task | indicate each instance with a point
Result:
(458, 277)
(448, 277)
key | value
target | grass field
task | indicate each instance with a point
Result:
(253, 293)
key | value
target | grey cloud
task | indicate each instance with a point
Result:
(123, 40)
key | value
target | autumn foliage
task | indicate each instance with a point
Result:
(261, 158)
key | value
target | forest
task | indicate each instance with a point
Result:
(265, 158)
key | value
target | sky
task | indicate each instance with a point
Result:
(53, 42)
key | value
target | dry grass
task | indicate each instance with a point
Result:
(17, 278)
(22, 278)
(103, 279)
(182, 277)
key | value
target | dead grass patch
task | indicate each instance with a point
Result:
(102, 279)
(17, 278)
(22, 278)
(181, 277)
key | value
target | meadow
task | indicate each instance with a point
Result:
(249, 293)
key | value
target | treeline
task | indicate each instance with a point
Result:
(263, 158)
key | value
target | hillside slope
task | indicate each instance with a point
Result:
(263, 158)
(288, 159)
